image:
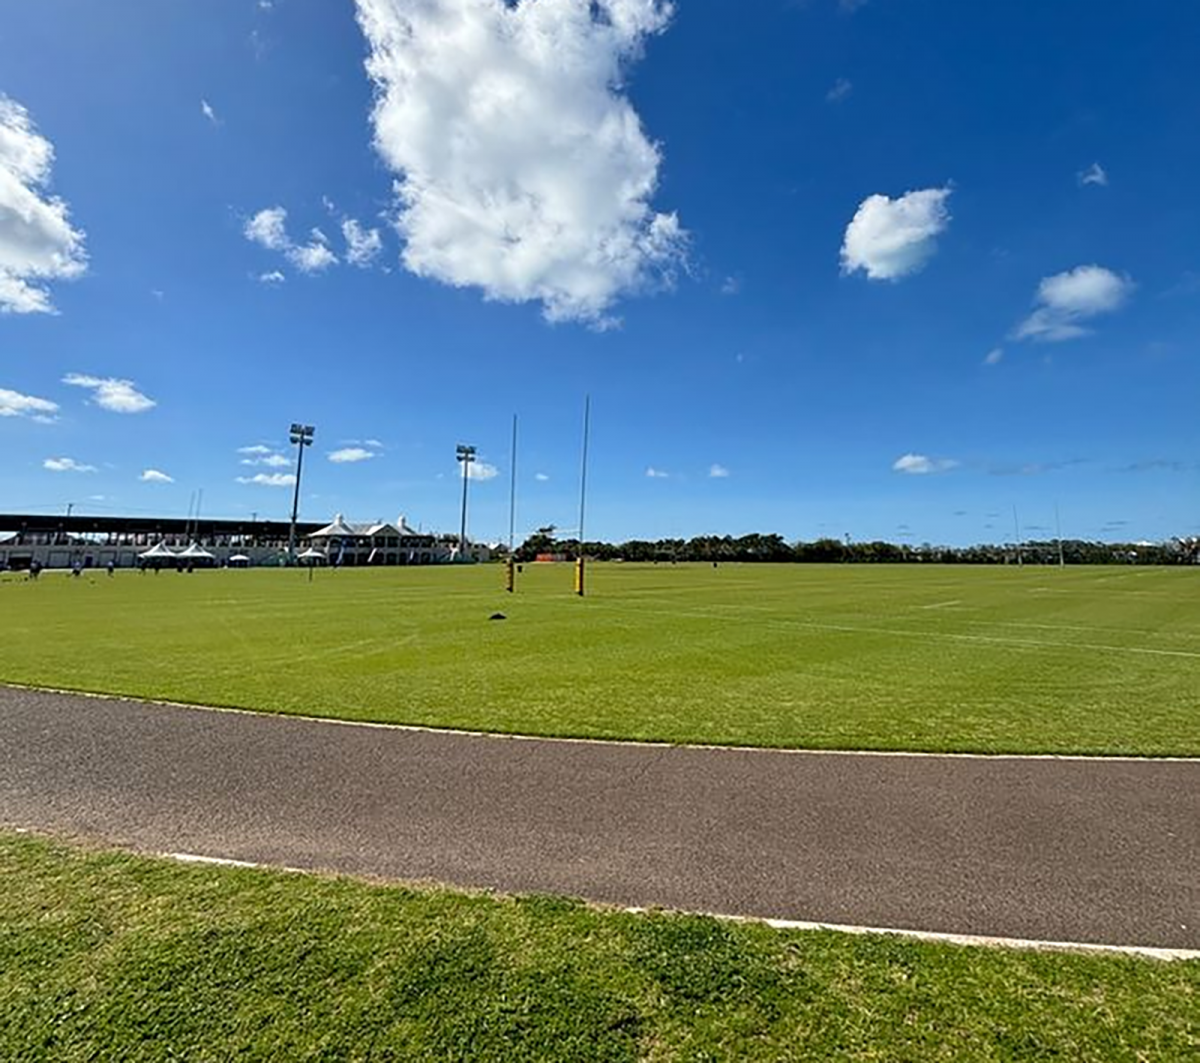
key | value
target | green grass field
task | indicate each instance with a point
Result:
(106, 956)
(1084, 660)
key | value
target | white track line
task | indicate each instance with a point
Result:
(1145, 951)
(502, 736)
(1151, 952)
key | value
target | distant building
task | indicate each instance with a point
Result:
(351, 545)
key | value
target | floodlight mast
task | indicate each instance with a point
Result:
(301, 436)
(465, 454)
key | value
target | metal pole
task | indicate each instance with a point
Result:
(510, 574)
(1058, 534)
(579, 563)
(1017, 529)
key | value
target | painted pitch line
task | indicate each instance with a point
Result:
(620, 743)
(858, 629)
(1150, 952)
(942, 605)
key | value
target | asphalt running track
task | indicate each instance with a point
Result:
(1088, 851)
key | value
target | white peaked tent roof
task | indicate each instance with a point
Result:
(383, 529)
(158, 550)
(194, 550)
(336, 530)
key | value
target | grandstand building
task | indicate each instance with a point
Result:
(95, 542)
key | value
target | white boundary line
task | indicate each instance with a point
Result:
(412, 728)
(1145, 951)
(1032, 944)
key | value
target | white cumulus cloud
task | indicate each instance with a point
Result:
(109, 393)
(362, 245)
(656, 474)
(37, 241)
(1067, 299)
(66, 465)
(481, 470)
(268, 229)
(269, 479)
(155, 476)
(272, 276)
(14, 404)
(1093, 175)
(541, 477)
(892, 238)
(349, 455)
(206, 109)
(920, 465)
(523, 168)
(717, 472)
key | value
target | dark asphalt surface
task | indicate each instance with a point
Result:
(1087, 851)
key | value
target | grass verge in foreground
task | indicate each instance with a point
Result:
(109, 956)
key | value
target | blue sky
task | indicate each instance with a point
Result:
(888, 268)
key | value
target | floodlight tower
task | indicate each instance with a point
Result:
(465, 455)
(301, 436)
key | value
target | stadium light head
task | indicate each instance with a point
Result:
(302, 434)
(465, 453)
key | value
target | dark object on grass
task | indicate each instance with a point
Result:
(497, 616)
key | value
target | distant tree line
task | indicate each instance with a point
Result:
(774, 548)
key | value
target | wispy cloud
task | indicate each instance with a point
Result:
(543, 192)
(889, 239)
(111, 393)
(155, 476)
(206, 109)
(921, 465)
(656, 474)
(717, 472)
(481, 470)
(1034, 468)
(541, 477)
(1158, 465)
(272, 276)
(15, 404)
(350, 455)
(841, 89)
(362, 245)
(66, 465)
(994, 357)
(1093, 175)
(268, 229)
(269, 479)
(1067, 299)
(38, 244)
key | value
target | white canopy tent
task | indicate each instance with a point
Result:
(195, 552)
(159, 552)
